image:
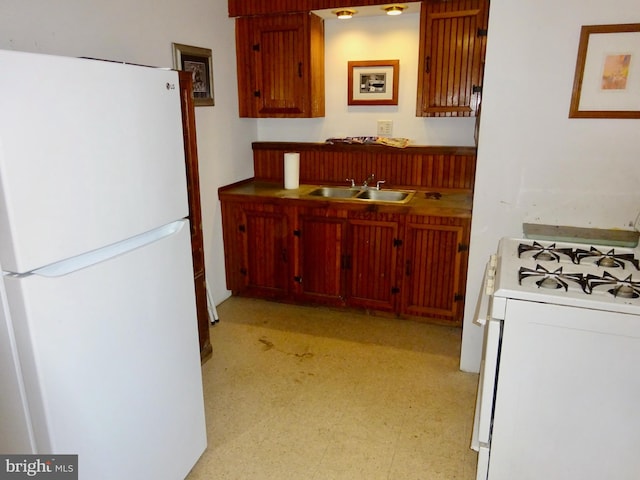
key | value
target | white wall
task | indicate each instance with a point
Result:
(142, 32)
(371, 38)
(534, 163)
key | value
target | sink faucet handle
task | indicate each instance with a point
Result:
(353, 182)
(365, 184)
(380, 182)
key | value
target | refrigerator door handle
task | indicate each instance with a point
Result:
(94, 257)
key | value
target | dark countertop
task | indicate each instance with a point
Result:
(423, 202)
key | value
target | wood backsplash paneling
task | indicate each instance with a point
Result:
(444, 168)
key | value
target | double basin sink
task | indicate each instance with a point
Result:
(371, 194)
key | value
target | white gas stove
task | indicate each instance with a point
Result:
(559, 382)
(580, 275)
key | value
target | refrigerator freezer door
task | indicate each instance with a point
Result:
(111, 361)
(91, 153)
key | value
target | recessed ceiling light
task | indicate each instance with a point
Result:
(394, 9)
(344, 13)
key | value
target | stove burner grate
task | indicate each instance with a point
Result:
(611, 259)
(623, 288)
(542, 253)
(552, 280)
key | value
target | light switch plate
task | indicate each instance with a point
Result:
(385, 128)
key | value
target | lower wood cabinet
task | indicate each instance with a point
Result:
(374, 248)
(256, 249)
(408, 265)
(320, 246)
(434, 265)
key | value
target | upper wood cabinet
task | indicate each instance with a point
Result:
(452, 49)
(239, 8)
(280, 65)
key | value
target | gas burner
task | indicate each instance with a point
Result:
(626, 288)
(546, 254)
(609, 260)
(552, 280)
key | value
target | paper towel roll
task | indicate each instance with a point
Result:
(291, 170)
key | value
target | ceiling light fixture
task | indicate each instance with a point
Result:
(344, 13)
(394, 9)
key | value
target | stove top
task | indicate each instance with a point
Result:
(598, 276)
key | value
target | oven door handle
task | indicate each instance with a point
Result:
(484, 302)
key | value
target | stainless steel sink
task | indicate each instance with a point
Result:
(334, 192)
(385, 195)
(371, 194)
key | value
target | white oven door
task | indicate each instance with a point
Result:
(481, 438)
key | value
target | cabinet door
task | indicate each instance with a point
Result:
(256, 249)
(434, 265)
(233, 239)
(266, 252)
(372, 261)
(280, 65)
(322, 261)
(451, 62)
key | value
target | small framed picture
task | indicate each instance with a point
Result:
(373, 82)
(607, 78)
(199, 62)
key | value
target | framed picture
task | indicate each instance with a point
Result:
(373, 82)
(607, 78)
(199, 62)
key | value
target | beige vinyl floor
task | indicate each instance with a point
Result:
(314, 393)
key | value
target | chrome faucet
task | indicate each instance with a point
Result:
(378, 183)
(370, 178)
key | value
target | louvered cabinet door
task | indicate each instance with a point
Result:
(372, 263)
(451, 62)
(280, 65)
(434, 265)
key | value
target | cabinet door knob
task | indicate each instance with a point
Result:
(300, 69)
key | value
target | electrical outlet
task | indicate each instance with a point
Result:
(385, 128)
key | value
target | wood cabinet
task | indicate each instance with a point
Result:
(239, 8)
(195, 214)
(451, 62)
(256, 249)
(321, 264)
(407, 265)
(280, 63)
(372, 260)
(434, 265)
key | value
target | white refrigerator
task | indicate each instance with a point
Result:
(99, 350)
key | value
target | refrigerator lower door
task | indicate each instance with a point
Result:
(110, 361)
